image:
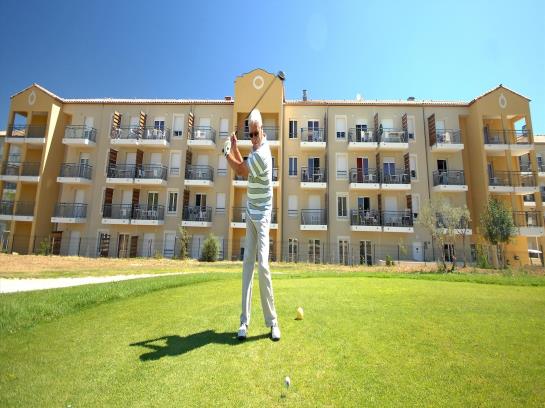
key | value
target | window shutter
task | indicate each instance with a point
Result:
(186, 199)
(375, 124)
(431, 129)
(116, 121)
(407, 163)
(108, 196)
(190, 119)
(139, 157)
(379, 200)
(112, 158)
(404, 124)
(410, 202)
(377, 161)
(142, 123)
(135, 196)
(188, 157)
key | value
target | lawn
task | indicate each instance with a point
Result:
(365, 341)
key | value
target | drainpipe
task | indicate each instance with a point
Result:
(426, 142)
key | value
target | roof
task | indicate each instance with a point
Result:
(493, 89)
(368, 102)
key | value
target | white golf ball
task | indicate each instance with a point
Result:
(287, 381)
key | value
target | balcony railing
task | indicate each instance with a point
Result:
(362, 136)
(26, 131)
(10, 169)
(313, 175)
(448, 136)
(121, 170)
(197, 213)
(117, 211)
(313, 135)
(463, 223)
(240, 215)
(270, 131)
(76, 170)
(314, 217)
(365, 218)
(518, 136)
(494, 137)
(151, 171)
(139, 133)
(203, 133)
(391, 135)
(397, 177)
(6, 207)
(527, 219)
(80, 132)
(146, 212)
(275, 174)
(154, 133)
(512, 178)
(448, 178)
(397, 218)
(24, 208)
(70, 210)
(506, 136)
(199, 172)
(21, 169)
(368, 175)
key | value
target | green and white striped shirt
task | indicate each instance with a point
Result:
(260, 189)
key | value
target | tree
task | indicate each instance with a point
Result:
(497, 225)
(464, 227)
(210, 249)
(184, 242)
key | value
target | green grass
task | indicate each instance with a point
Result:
(409, 340)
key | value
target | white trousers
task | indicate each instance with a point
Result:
(257, 242)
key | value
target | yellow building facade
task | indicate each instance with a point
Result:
(118, 177)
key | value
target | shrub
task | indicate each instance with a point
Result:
(389, 261)
(45, 247)
(184, 243)
(210, 249)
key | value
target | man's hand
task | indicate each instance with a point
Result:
(234, 140)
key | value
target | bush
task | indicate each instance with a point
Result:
(45, 247)
(210, 249)
(389, 261)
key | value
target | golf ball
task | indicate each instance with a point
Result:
(287, 382)
(300, 313)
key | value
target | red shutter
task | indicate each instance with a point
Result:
(139, 157)
(375, 124)
(134, 246)
(112, 158)
(188, 157)
(135, 196)
(142, 123)
(379, 198)
(377, 162)
(404, 124)
(108, 196)
(431, 129)
(116, 121)
(190, 119)
(407, 164)
(410, 202)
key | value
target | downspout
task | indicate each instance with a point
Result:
(426, 142)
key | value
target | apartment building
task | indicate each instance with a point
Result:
(117, 177)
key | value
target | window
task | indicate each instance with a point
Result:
(344, 246)
(293, 129)
(413, 166)
(410, 127)
(293, 250)
(153, 200)
(342, 166)
(292, 166)
(169, 244)
(159, 123)
(340, 127)
(222, 165)
(220, 203)
(342, 206)
(314, 255)
(361, 133)
(172, 206)
(224, 127)
(175, 163)
(292, 206)
(200, 200)
(178, 126)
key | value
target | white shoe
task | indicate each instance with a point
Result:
(242, 331)
(275, 332)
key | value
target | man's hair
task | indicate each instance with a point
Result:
(255, 117)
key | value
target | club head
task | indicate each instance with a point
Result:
(281, 75)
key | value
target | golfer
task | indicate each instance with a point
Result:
(258, 169)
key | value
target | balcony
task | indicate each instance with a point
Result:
(202, 176)
(240, 215)
(69, 213)
(313, 138)
(541, 169)
(447, 141)
(396, 181)
(364, 179)
(240, 181)
(362, 140)
(31, 134)
(397, 221)
(272, 133)
(197, 216)
(506, 182)
(313, 220)
(16, 210)
(313, 178)
(116, 214)
(75, 173)
(497, 141)
(121, 173)
(393, 139)
(24, 172)
(462, 227)
(143, 214)
(80, 136)
(202, 137)
(275, 181)
(519, 141)
(151, 175)
(450, 181)
(529, 223)
(529, 200)
(365, 221)
(140, 136)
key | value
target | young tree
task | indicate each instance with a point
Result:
(184, 242)
(498, 226)
(463, 227)
(210, 249)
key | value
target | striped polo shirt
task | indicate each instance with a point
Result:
(260, 189)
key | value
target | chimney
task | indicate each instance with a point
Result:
(304, 95)
(410, 98)
(228, 98)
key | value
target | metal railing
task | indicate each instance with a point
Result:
(151, 171)
(26, 131)
(10, 169)
(527, 219)
(397, 218)
(7, 207)
(362, 136)
(275, 174)
(512, 178)
(314, 217)
(148, 212)
(70, 210)
(76, 170)
(392, 135)
(368, 175)
(240, 215)
(155, 133)
(506, 136)
(203, 133)
(448, 136)
(313, 135)
(448, 178)
(492, 136)
(21, 169)
(313, 175)
(121, 170)
(139, 133)
(30, 169)
(199, 172)
(24, 208)
(80, 132)
(541, 167)
(117, 211)
(530, 198)
(270, 131)
(237, 177)
(499, 178)
(365, 218)
(397, 177)
(463, 223)
(197, 213)
(518, 136)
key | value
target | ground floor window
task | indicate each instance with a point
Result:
(366, 256)
(344, 248)
(314, 255)
(293, 250)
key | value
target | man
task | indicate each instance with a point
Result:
(258, 169)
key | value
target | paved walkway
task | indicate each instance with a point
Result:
(23, 285)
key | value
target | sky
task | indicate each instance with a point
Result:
(442, 50)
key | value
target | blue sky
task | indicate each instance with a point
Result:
(172, 49)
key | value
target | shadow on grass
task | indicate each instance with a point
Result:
(177, 345)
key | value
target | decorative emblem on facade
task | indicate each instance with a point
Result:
(32, 98)
(258, 82)
(502, 101)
